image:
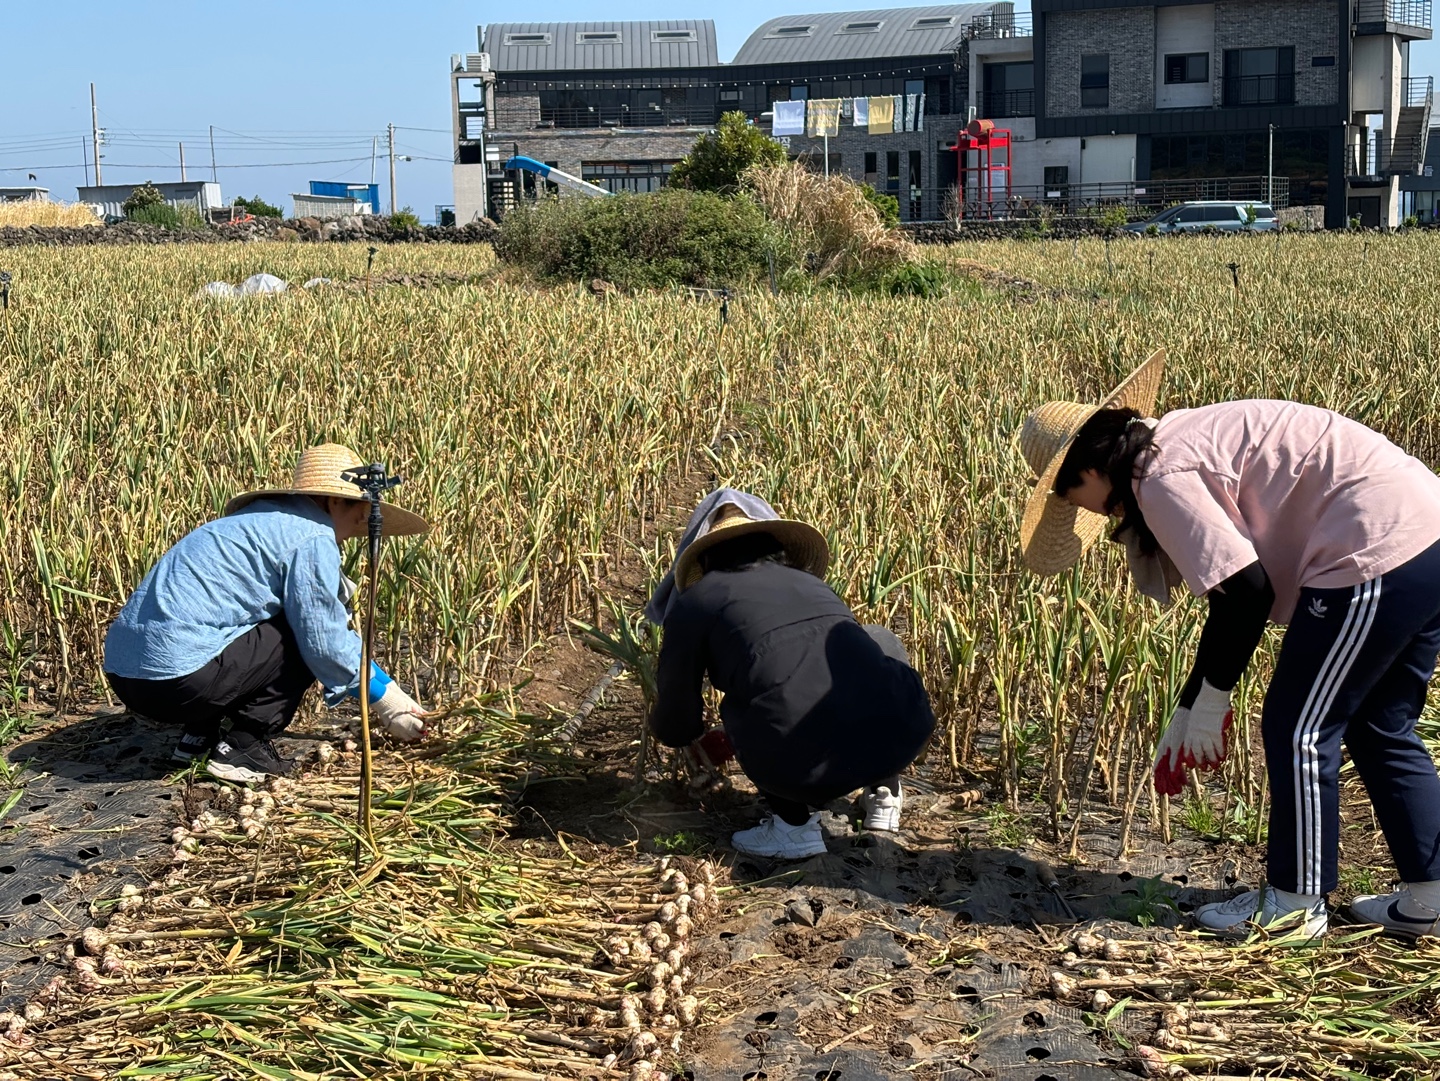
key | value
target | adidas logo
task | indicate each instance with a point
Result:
(1318, 608)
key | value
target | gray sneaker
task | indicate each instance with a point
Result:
(1399, 912)
(1262, 908)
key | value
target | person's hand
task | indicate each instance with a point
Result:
(715, 745)
(399, 714)
(1196, 738)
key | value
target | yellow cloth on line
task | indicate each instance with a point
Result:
(822, 117)
(882, 115)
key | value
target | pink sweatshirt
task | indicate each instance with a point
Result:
(1318, 499)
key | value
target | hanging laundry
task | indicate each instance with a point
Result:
(898, 111)
(882, 115)
(920, 114)
(910, 101)
(822, 117)
(789, 118)
(862, 112)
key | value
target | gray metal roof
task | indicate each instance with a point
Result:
(672, 43)
(854, 35)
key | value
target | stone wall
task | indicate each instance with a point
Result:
(1127, 35)
(365, 228)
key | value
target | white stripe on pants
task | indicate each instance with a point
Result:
(1309, 826)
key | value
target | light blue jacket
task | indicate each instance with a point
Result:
(275, 556)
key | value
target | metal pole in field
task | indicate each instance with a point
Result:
(182, 163)
(213, 175)
(1270, 170)
(95, 133)
(391, 129)
(85, 160)
(374, 148)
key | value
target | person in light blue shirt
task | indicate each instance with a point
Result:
(244, 614)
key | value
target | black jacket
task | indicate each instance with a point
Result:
(813, 706)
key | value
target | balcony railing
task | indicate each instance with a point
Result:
(1417, 93)
(1001, 24)
(1405, 12)
(1141, 196)
(994, 106)
(1240, 90)
(528, 116)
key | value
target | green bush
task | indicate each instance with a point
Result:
(142, 198)
(887, 206)
(673, 237)
(914, 280)
(403, 220)
(718, 159)
(259, 207)
(161, 214)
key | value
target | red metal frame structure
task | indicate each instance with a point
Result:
(985, 141)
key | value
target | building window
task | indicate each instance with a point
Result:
(1056, 176)
(1322, 61)
(892, 172)
(797, 93)
(933, 22)
(871, 167)
(1009, 90)
(672, 35)
(790, 32)
(527, 39)
(1095, 81)
(597, 37)
(729, 95)
(869, 27)
(1260, 76)
(1187, 68)
(917, 192)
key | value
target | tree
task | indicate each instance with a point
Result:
(717, 160)
(142, 198)
(258, 206)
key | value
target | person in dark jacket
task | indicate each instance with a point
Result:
(815, 705)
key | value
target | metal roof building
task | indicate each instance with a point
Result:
(854, 35)
(590, 46)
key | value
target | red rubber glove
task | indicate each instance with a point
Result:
(1196, 738)
(715, 745)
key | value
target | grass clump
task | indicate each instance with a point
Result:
(673, 237)
(27, 212)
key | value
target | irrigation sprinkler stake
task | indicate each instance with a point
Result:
(373, 482)
(369, 262)
(1234, 274)
(724, 308)
(4, 290)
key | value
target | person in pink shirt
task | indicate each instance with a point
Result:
(1281, 512)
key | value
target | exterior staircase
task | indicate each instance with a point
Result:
(1412, 128)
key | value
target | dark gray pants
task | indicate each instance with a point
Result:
(795, 813)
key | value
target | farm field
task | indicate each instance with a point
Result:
(557, 439)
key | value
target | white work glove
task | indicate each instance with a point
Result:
(1196, 738)
(399, 714)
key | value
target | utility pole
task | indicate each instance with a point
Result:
(95, 133)
(213, 175)
(1270, 170)
(374, 149)
(182, 163)
(391, 130)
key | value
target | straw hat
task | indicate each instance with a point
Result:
(318, 473)
(1053, 534)
(804, 545)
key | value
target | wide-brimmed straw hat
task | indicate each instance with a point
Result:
(318, 472)
(804, 545)
(1054, 534)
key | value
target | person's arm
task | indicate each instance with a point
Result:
(1239, 609)
(679, 714)
(320, 623)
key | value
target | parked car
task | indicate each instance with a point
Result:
(1227, 216)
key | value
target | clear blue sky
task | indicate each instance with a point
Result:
(310, 82)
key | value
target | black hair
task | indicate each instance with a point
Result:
(741, 552)
(1115, 443)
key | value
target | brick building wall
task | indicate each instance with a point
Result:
(1308, 25)
(569, 148)
(1126, 34)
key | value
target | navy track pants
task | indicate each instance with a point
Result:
(1354, 666)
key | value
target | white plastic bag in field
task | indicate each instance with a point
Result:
(262, 283)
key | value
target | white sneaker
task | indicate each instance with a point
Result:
(775, 838)
(1399, 912)
(1274, 913)
(882, 808)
